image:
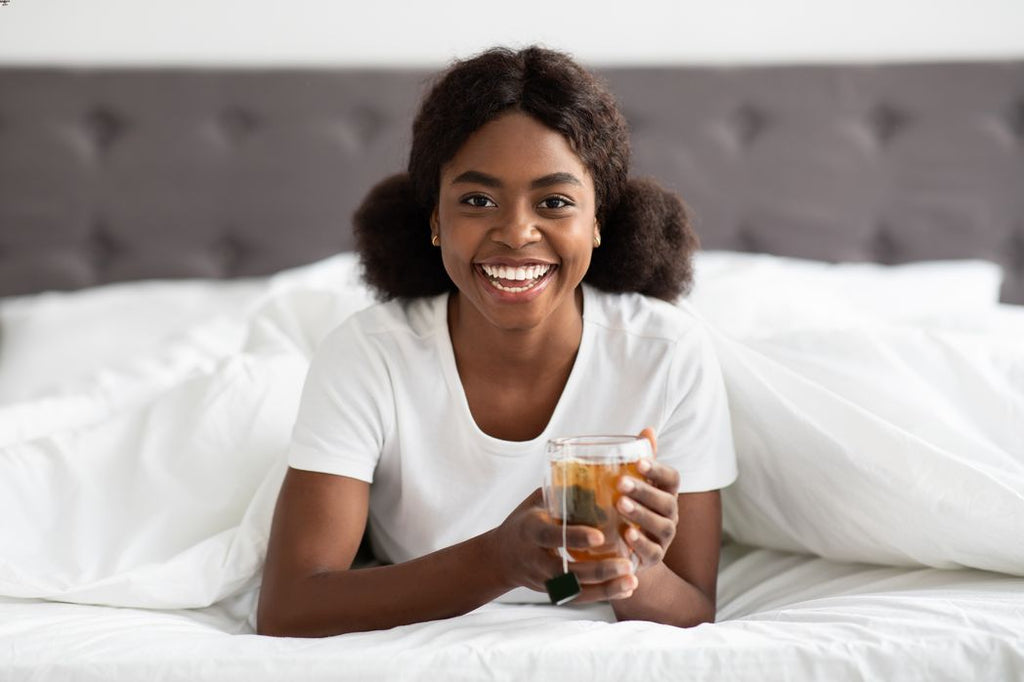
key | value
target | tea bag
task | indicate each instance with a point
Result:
(563, 588)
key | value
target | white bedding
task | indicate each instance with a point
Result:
(781, 616)
(878, 416)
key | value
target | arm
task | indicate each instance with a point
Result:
(678, 546)
(309, 591)
(680, 589)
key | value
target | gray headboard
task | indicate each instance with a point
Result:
(108, 175)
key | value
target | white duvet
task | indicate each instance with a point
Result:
(878, 415)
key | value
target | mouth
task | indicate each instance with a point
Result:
(514, 279)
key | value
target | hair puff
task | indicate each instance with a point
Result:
(647, 244)
(392, 231)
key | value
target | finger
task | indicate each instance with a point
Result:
(656, 526)
(605, 570)
(542, 531)
(547, 569)
(620, 588)
(658, 474)
(648, 433)
(647, 551)
(645, 494)
(599, 580)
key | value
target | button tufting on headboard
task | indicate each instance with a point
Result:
(1015, 119)
(230, 251)
(102, 248)
(887, 121)
(748, 123)
(1015, 250)
(236, 124)
(883, 246)
(103, 128)
(357, 130)
(744, 238)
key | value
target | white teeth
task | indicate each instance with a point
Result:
(529, 274)
(519, 274)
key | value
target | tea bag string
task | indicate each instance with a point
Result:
(563, 588)
(565, 542)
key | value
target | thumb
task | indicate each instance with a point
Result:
(648, 433)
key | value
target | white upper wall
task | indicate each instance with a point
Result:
(428, 33)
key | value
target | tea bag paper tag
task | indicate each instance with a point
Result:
(562, 589)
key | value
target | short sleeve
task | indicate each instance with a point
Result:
(696, 436)
(345, 412)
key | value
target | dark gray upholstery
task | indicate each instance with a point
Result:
(109, 175)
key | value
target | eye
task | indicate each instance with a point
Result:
(556, 202)
(478, 201)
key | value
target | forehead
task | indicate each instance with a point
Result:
(516, 144)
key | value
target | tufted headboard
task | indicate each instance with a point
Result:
(109, 175)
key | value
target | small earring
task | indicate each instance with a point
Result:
(435, 240)
(597, 239)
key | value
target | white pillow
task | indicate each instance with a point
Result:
(51, 339)
(884, 444)
(58, 341)
(748, 295)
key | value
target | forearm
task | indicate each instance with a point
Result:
(443, 584)
(664, 597)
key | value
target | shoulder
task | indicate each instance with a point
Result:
(640, 316)
(415, 318)
(358, 361)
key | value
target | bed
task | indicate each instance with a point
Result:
(174, 244)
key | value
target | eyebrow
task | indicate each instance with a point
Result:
(478, 178)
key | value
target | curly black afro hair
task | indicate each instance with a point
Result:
(647, 239)
(647, 244)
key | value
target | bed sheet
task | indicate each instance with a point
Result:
(781, 616)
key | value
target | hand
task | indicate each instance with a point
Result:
(652, 505)
(526, 544)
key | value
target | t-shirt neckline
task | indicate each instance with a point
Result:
(446, 352)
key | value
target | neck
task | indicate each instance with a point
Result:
(515, 353)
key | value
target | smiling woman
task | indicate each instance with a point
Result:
(514, 259)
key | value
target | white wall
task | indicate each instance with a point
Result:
(430, 32)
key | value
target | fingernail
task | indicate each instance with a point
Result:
(595, 539)
(626, 505)
(644, 465)
(632, 535)
(626, 485)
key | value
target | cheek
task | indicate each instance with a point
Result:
(585, 262)
(578, 253)
(455, 257)
(449, 261)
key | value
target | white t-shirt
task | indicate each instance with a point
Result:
(383, 403)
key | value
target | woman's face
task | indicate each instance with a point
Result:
(516, 219)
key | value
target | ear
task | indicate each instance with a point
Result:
(435, 223)
(597, 234)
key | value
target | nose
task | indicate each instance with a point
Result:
(518, 227)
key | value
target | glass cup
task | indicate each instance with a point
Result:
(580, 487)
